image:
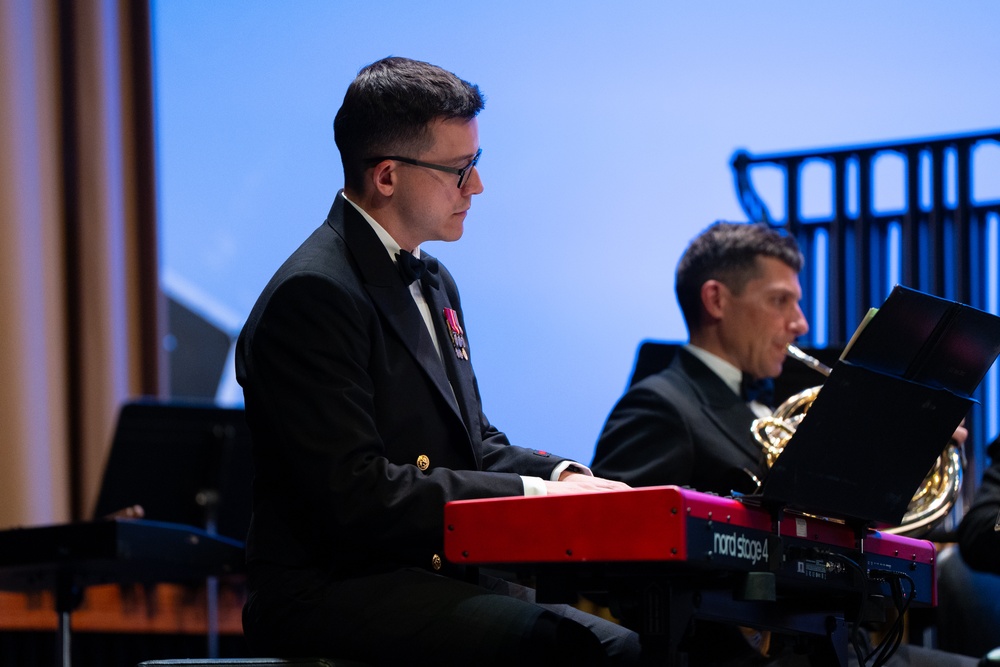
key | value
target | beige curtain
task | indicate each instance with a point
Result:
(80, 311)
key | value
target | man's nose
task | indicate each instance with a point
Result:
(799, 325)
(473, 184)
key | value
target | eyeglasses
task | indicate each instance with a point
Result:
(461, 173)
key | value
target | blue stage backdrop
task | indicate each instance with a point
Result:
(606, 140)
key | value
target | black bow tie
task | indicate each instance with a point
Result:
(761, 390)
(411, 268)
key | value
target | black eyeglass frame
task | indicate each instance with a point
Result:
(461, 173)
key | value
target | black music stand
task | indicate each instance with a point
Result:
(886, 411)
(186, 463)
(188, 466)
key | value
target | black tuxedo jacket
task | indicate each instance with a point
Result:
(360, 431)
(681, 426)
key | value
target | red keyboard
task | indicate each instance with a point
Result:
(687, 531)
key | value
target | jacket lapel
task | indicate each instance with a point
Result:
(719, 404)
(389, 294)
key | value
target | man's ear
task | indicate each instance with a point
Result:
(714, 296)
(383, 177)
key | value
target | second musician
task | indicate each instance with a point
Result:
(738, 288)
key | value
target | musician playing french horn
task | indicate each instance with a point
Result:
(738, 289)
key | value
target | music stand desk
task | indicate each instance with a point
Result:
(67, 558)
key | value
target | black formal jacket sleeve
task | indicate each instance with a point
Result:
(681, 426)
(358, 436)
(978, 541)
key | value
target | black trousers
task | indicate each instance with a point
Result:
(416, 617)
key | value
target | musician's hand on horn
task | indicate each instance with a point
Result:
(575, 482)
(961, 435)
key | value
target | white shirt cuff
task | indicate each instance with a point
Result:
(534, 486)
(572, 466)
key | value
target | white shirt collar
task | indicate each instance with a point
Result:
(390, 243)
(729, 374)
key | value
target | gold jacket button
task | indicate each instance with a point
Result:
(436, 562)
(423, 462)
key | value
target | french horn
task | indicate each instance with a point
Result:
(934, 498)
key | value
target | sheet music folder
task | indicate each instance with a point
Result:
(889, 407)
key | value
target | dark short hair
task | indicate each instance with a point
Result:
(388, 107)
(728, 252)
